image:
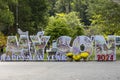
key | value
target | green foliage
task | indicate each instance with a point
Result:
(32, 15)
(73, 21)
(6, 15)
(52, 7)
(64, 24)
(25, 22)
(57, 27)
(81, 7)
(67, 6)
(63, 6)
(3, 40)
(94, 30)
(105, 14)
(35, 15)
(39, 9)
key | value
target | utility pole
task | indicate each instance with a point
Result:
(17, 24)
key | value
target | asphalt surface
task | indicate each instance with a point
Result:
(60, 70)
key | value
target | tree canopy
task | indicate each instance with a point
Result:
(105, 14)
(93, 16)
(64, 24)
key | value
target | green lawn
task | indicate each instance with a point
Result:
(117, 54)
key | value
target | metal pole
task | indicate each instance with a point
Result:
(17, 24)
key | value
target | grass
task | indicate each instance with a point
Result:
(117, 54)
(92, 57)
(45, 56)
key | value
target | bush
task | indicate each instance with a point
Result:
(64, 24)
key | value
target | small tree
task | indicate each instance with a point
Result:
(64, 24)
(57, 27)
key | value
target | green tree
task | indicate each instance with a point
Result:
(39, 9)
(63, 6)
(30, 15)
(105, 14)
(6, 15)
(64, 24)
(81, 7)
(57, 27)
(73, 21)
(25, 16)
(52, 7)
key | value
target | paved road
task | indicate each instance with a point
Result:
(60, 70)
